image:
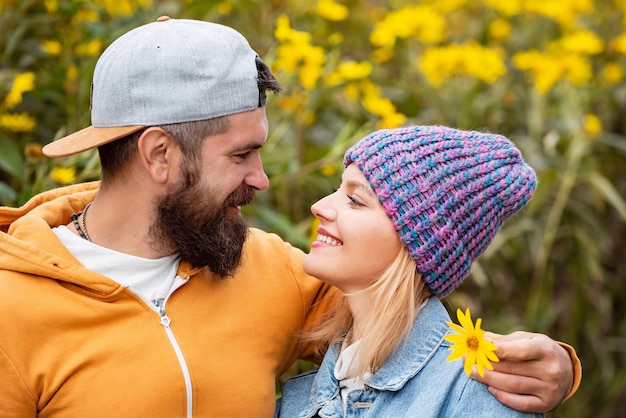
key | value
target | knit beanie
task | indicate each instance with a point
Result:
(447, 192)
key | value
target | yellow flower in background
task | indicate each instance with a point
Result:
(63, 175)
(470, 341)
(117, 7)
(85, 15)
(297, 54)
(592, 125)
(471, 59)
(353, 70)
(351, 91)
(581, 42)
(392, 120)
(612, 73)
(51, 47)
(577, 69)
(500, 29)
(331, 10)
(381, 55)
(311, 70)
(315, 223)
(448, 6)
(547, 69)
(348, 71)
(17, 122)
(21, 84)
(328, 170)
(618, 44)
(336, 38)
(379, 106)
(72, 73)
(423, 22)
(564, 12)
(51, 5)
(91, 48)
(225, 7)
(507, 8)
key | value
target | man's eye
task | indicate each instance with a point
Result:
(243, 155)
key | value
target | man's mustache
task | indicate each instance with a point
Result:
(241, 197)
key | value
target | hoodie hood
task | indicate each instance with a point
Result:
(30, 247)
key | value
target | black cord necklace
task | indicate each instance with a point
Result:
(82, 230)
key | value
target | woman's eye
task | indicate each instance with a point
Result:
(353, 201)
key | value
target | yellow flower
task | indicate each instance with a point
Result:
(379, 106)
(423, 22)
(612, 73)
(438, 64)
(618, 44)
(500, 29)
(471, 341)
(331, 10)
(507, 8)
(17, 122)
(352, 70)
(51, 47)
(63, 175)
(393, 120)
(592, 125)
(328, 170)
(91, 48)
(21, 84)
(85, 15)
(51, 5)
(581, 42)
(225, 7)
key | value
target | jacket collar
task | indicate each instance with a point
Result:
(424, 339)
(411, 356)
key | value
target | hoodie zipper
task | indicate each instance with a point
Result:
(159, 306)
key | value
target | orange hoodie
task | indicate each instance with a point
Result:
(74, 343)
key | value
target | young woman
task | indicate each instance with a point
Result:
(417, 205)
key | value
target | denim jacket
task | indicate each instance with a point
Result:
(416, 381)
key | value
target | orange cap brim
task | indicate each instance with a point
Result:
(86, 139)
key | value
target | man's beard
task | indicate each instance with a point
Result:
(201, 231)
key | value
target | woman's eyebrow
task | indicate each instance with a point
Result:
(362, 186)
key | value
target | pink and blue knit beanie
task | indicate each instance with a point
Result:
(447, 192)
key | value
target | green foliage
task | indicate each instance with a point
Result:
(549, 75)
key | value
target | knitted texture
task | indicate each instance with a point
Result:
(447, 192)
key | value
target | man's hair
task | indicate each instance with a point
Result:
(115, 155)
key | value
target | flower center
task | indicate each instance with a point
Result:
(473, 342)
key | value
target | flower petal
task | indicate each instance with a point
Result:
(470, 360)
(456, 339)
(457, 353)
(458, 329)
(465, 320)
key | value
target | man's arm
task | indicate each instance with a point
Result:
(535, 373)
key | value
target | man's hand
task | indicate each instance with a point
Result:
(534, 373)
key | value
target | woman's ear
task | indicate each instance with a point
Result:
(159, 154)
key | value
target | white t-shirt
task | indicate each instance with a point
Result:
(152, 279)
(345, 372)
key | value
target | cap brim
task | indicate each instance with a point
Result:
(86, 139)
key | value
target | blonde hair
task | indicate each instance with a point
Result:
(397, 297)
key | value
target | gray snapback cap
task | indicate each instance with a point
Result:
(168, 71)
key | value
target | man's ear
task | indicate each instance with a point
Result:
(159, 154)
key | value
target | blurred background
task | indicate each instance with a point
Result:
(549, 74)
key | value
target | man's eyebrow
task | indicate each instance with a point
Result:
(248, 146)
